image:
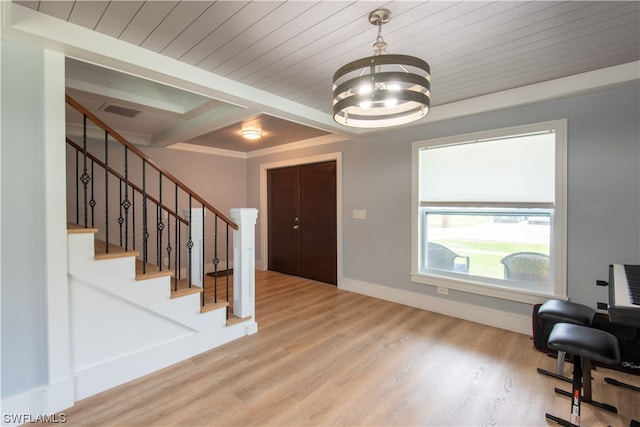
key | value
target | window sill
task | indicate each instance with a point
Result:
(486, 289)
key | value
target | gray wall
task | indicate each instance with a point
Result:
(22, 229)
(603, 191)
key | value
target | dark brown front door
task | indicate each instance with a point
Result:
(302, 221)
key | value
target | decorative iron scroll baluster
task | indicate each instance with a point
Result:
(145, 230)
(92, 202)
(176, 273)
(126, 204)
(120, 217)
(106, 190)
(84, 178)
(160, 225)
(189, 246)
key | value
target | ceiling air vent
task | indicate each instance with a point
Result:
(121, 111)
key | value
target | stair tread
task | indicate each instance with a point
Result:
(77, 228)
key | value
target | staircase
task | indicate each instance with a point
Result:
(140, 295)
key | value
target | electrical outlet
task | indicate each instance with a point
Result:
(166, 261)
(443, 291)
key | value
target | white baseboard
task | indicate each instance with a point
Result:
(38, 405)
(486, 316)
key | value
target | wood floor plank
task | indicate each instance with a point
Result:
(326, 357)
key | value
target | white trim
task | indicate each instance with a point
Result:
(58, 321)
(486, 316)
(307, 143)
(264, 244)
(538, 92)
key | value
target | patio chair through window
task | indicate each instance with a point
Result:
(526, 266)
(442, 258)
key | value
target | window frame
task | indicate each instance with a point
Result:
(475, 284)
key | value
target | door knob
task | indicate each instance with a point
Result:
(295, 227)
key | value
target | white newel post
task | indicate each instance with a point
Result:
(197, 236)
(244, 275)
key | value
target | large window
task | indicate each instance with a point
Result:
(489, 212)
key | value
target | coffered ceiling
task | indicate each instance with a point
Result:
(196, 70)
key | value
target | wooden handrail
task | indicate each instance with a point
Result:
(132, 185)
(115, 135)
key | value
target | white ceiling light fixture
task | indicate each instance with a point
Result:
(381, 90)
(251, 133)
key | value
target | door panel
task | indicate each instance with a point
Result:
(318, 251)
(302, 221)
(283, 206)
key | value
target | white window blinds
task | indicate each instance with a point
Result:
(517, 169)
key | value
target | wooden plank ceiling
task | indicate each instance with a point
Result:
(291, 49)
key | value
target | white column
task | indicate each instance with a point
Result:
(244, 254)
(197, 236)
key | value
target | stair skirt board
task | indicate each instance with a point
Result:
(123, 328)
(111, 373)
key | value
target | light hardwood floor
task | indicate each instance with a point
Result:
(325, 357)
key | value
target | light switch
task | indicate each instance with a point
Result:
(359, 214)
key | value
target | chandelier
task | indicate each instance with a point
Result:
(381, 90)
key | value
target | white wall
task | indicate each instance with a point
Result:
(24, 311)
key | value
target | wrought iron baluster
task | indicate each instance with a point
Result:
(179, 252)
(160, 224)
(126, 204)
(145, 230)
(120, 217)
(84, 178)
(203, 255)
(77, 187)
(169, 249)
(133, 225)
(176, 272)
(92, 202)
(106, 190)
(189, 246)
(216, 260)
(227, 275)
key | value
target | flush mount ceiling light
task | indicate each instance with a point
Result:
(251, 133)
(381, 90)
